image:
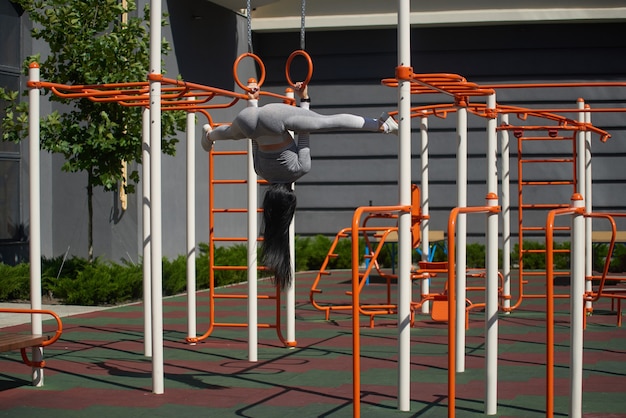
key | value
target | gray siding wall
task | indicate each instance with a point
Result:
(351, 170)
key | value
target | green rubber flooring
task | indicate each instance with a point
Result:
(98, 369)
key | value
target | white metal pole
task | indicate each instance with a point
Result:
(506, 214)
(35, 217)
(461, 233)
(588, 208)
(491, 293)
(580, 146)
(253, 329)
(147, 239)
(576, 309)
(404, 221)
(425, 203)
(290, 292)
(155, 194)
(191, 224)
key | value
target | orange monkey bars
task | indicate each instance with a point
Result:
(564, 129)
(176, 94)
(438, 83)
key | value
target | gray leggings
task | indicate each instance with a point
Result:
(275, 119)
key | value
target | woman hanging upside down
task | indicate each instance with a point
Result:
(281, 160)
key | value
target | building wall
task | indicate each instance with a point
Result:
(351, 170)
(205, 41)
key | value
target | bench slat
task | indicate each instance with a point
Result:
(11, 341)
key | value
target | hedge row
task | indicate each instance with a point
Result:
(75, 281)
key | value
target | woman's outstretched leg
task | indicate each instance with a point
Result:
(277, 117)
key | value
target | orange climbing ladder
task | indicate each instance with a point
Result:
(231, 184)
(532, 143)
(215, 239)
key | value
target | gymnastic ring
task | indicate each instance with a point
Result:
(236, 67)
(288, 67)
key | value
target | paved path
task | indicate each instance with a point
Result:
(7, 320)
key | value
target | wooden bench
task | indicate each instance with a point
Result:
(10, 341)
(605, 236)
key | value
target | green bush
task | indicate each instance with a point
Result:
(53, 269)
(475, 256)
(617, 264)
(175, 276)
(101, 284)
(534, 257)
(344, 251)
(14, 282)
(312, 251)
(237, 255)
(76, 281)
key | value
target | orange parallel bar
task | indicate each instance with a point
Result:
(452, 298)
(356, 335)
(595, 295)
(550, 304)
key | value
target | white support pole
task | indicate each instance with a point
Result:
(253, 320)
(35, 217)
(506, 214)
(155, 194)
(461, 240)
(147, 239)
(404, 221)
(577, 290)
(290, 292)
(580, 146)
(425, 203)
(191, 224)
(491, 293)
(588, 208)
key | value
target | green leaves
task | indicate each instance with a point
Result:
(90, 45)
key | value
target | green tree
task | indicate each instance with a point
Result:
(91, 42)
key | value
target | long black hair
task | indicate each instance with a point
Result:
(279, 206)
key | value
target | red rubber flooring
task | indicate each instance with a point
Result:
(98, 367)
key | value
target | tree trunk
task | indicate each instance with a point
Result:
(90, 215)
